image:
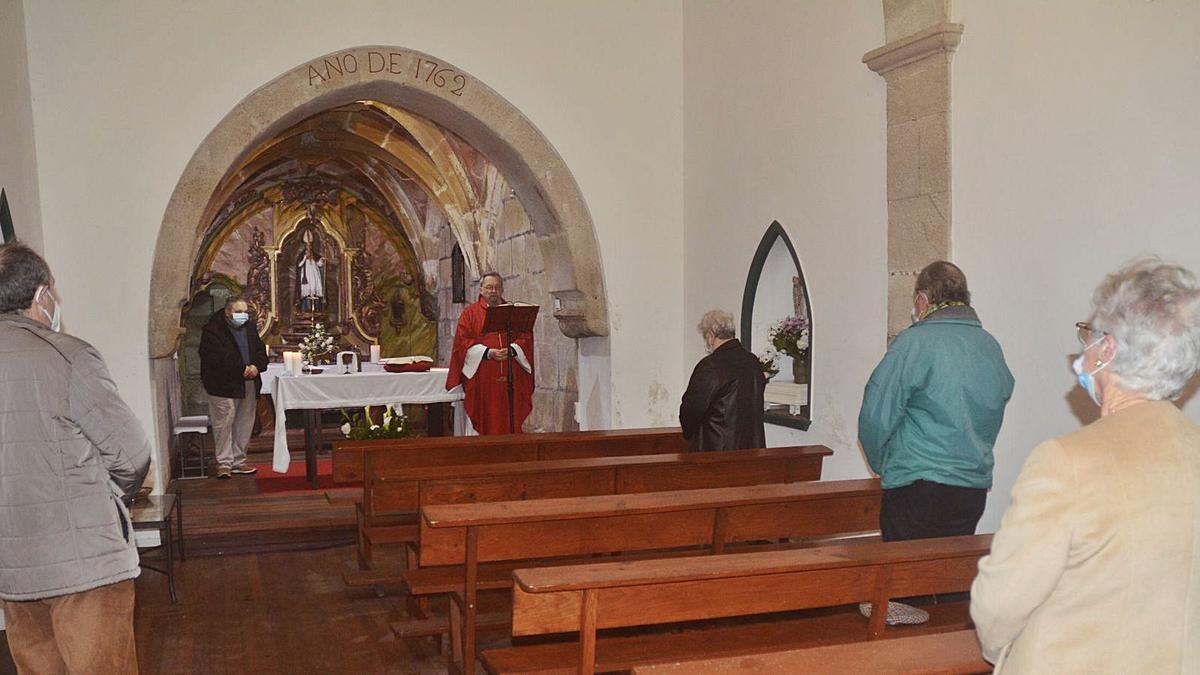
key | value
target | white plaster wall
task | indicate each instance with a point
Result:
(18, 163)
(123, 93)
(783, 122)
(1076, 148)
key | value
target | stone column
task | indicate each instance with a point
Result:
(916, 65)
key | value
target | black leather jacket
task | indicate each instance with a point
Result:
(722, 408)
(221, 364)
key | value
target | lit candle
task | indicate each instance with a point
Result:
(374, 353)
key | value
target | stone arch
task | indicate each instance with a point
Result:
(408, 80)
(429, 87)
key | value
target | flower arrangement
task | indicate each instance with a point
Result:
(790, 336)
(769, 362)
(317, 345)
(361, 427)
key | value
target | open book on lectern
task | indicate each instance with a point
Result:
(515, 317)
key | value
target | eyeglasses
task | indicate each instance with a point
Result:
(1086, 334)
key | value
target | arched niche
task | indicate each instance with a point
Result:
(409, 81)
(775, 288)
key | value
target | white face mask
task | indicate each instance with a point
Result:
(54, 318)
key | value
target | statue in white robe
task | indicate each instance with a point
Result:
(311, 274)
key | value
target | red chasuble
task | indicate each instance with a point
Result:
(486, 394)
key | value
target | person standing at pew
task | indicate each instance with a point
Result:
(480, 363)
(1096, 566)
(930, 415)
(232, 359)
(71, 452)
(722, 408)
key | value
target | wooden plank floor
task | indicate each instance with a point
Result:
(230, 516)
(278, 612)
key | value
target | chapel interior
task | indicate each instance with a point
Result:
(625, 166)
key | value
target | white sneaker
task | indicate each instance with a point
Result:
(899, 614)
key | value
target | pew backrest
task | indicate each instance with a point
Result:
(430, 451)
(586, 598)
(714, 517)
(389, 489)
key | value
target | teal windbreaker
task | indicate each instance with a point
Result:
(933, 407)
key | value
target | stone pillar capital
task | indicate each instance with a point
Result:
(938, 39)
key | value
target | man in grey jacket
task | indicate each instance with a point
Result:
(70, 451)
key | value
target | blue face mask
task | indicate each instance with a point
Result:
(240, 318)
(1088, 380)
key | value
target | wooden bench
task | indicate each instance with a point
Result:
(442, 450)
(953, 653)
(456, 540)
(393, 493)
(587, 598)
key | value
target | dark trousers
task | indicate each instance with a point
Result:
(925, 510)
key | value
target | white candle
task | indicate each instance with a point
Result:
(292, 362)
(374, 353)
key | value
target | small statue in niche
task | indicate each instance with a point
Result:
(311, 276)
(798, 297)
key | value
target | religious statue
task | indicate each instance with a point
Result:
(311, 277)
(258, 275)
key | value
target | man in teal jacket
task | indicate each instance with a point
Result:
(931, 412)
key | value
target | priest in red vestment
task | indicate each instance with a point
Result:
(480, 364)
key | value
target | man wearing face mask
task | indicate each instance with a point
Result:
(722, 408)
(931, 413)
(70, 452)
(232, 356)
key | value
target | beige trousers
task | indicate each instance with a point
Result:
(232, 421)
(81, 633)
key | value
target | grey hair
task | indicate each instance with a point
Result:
(718, 323)
(1152, 310)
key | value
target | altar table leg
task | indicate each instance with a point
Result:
(439, 419)
(312, 443)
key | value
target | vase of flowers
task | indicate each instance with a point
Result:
(769, 362)
(316, 346)
(362, 427)
(790, 336)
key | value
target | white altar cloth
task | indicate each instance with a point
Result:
(333, 390)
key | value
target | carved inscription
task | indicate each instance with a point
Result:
(424, 71)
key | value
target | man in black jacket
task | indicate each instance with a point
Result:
(232, 356)
(722, 408)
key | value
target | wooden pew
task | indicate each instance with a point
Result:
(456, 540)
(953, 653)
(394, 491)
(441, 450)
(587, 598)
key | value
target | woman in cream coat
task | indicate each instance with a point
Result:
(1096, 567)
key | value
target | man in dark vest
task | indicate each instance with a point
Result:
(722, 408)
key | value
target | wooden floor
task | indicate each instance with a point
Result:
(261, 590)
(230, 516)
(278, 612)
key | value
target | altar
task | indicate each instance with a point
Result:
(334, 389)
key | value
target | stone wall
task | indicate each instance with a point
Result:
(513, 250)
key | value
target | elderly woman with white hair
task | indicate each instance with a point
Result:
(1096, 566)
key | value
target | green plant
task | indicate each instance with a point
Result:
(361, 427)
